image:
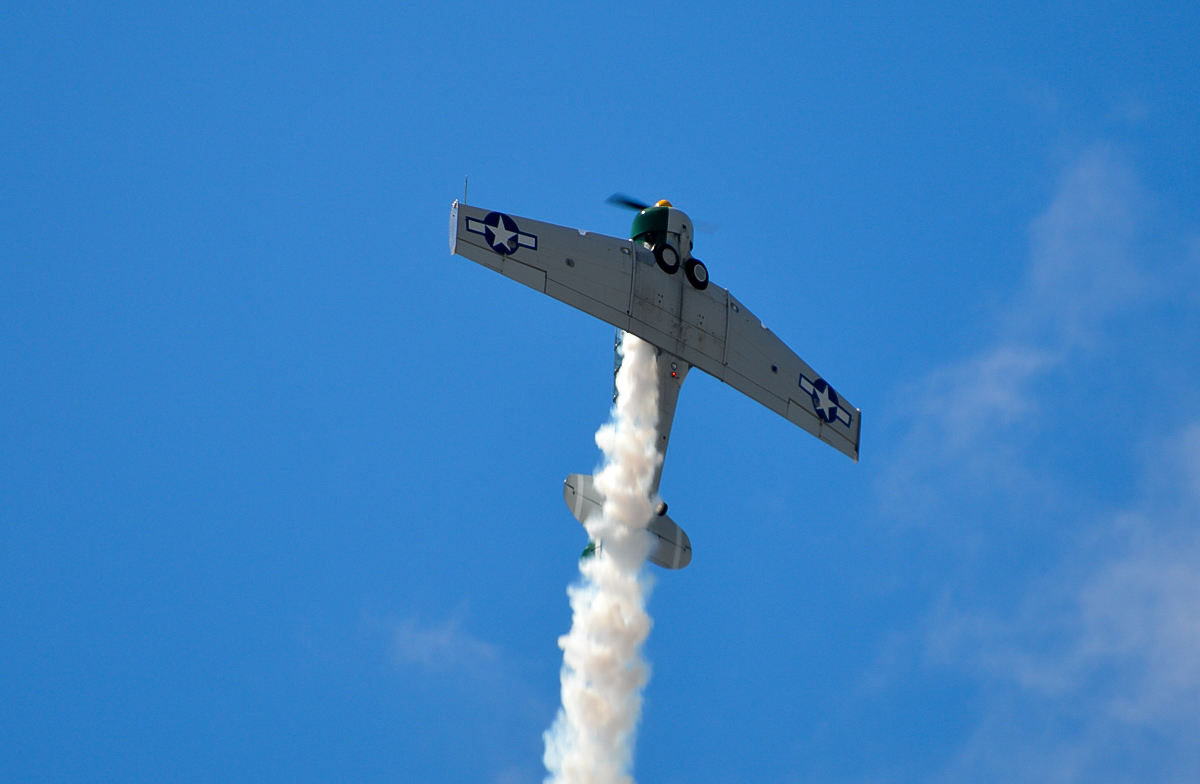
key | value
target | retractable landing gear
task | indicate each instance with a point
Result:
(697, 273)
(667, 258)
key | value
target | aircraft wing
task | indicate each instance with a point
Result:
(618, 282)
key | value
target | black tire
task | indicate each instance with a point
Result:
(667, 258)
(697, 273)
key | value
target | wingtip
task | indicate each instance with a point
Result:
(858, 434)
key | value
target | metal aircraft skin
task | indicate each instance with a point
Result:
(651, 286)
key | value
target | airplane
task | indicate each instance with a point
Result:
(636, 285)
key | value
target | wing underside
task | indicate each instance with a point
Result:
(617, 281)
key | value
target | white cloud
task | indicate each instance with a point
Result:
(1088, 663)
(1085, 251)
(475, 691)
(985, 400)
(975, 420)
(441, 648)
(1096, 675)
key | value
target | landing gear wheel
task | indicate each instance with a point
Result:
(667, 258)
(697, 273)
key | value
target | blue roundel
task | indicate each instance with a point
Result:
(501, 232)
(825, 400)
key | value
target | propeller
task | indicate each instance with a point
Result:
(621, 200)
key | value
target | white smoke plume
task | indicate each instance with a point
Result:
(603, 674)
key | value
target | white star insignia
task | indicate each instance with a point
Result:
(824, 402)
(502, 235)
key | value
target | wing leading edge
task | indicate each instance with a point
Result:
(618, 282)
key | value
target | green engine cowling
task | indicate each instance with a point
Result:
(650, 221)
(663, 223)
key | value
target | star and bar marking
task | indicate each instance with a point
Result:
(826, 402)
(501, 233)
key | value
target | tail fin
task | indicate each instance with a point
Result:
(672, 550)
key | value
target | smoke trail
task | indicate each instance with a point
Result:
(591, 741)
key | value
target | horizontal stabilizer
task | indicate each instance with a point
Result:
(672, 550)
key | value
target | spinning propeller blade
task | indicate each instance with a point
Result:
(621, 200)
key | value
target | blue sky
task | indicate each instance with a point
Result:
(280, 479)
